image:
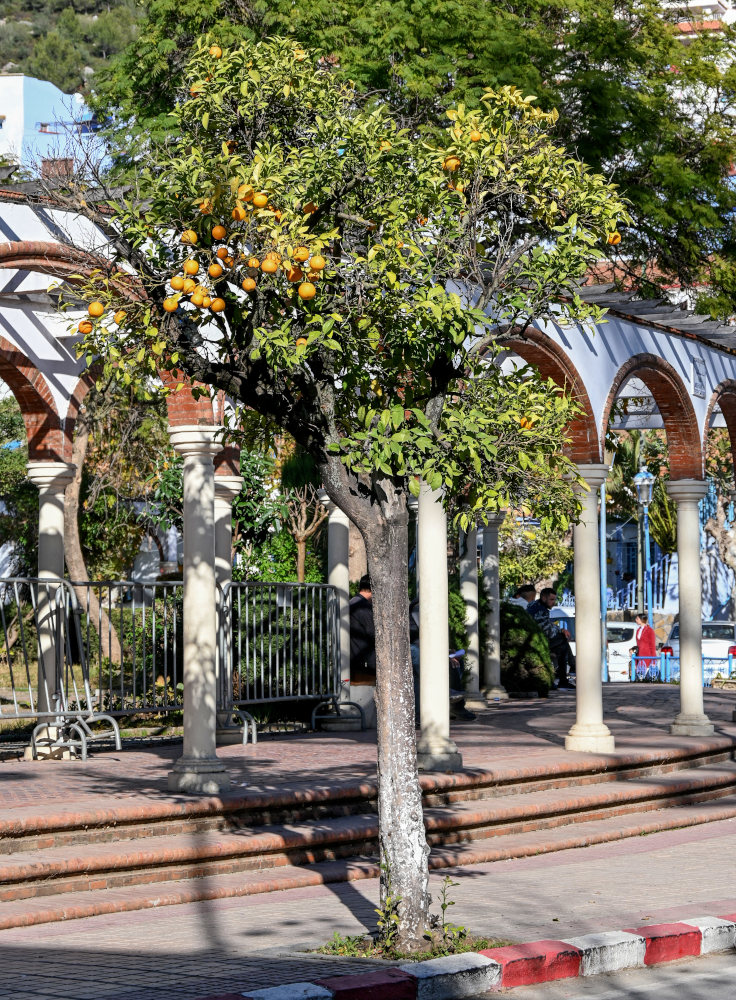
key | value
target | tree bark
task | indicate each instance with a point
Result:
(74, 557)
(402, 840)
(301, 559)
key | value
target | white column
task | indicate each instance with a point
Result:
(226, 489)
(469, 594)
(435, 749)
(198, 769)
(52, 479)
(589, 733)
(338, 576)
(492, 687)
(691, 720)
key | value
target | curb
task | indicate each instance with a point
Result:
(517, 965)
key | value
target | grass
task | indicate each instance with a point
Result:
(368, 946)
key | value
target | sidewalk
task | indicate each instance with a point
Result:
(199, 950)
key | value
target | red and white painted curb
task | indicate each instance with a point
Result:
(517, 965)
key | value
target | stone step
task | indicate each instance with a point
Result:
(104, 866)
(75, 905)
(39, 827)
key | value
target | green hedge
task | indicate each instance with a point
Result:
(526, 663)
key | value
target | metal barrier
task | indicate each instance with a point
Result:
(665, 668)
(280, 642)
(42, 659)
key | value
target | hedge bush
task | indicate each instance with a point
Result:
(526, 662)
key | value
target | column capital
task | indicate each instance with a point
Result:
(594, 475)
(495, 519)
(196, 439)
(227, 487)
(51, 476)
(332, 509)
(684, 490)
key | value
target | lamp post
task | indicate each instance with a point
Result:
(644, 483)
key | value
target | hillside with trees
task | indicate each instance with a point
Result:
(64, 41)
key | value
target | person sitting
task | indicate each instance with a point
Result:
(523, 596)
(558, 638)
(362, 631)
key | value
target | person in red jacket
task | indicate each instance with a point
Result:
(646, 647)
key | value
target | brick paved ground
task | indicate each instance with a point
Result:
(185, 952)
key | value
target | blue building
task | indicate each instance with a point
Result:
(38, 122)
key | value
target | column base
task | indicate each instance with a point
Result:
(475, 701)
(595, 738)
(438, 755)
(692, 725)
(496, 693)
(202, 776)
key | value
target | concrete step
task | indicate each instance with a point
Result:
(74, 905)
(206, 853)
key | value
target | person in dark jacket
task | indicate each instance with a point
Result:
(558, 638)
(362, 629)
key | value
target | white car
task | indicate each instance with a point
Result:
(719, 647)
(619, 640)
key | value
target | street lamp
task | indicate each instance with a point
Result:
(644, 483)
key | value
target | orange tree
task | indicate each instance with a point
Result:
(353, 282)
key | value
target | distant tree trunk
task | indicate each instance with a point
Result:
(301, 558)
(725, 539)
(75, 564)
(301, 525)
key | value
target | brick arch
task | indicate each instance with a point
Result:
(675, 406)
(46, 439)
(552, 362)
(60, 260)
(724, 395)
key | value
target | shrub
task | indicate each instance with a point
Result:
(526, 663)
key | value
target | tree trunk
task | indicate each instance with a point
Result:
(301, 559)
(76, 567)
(726, 541)
(402, 839)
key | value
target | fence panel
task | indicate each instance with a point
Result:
(278, 642)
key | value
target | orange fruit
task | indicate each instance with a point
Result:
(95, 309)
(171, 305)
(273, 255)
(177, 282)
(300, 55)
(231, 145)
(193, 92)
(219, 232)
(294, 273)
(385, 145)
(206, 302)
(206, 207)
(317, 262)
(238, 213)
(306, 290)
(191, 266)
(215, 51)
(475, 135)
(189, 285)
(314, 275)
(301, 254)
(452, 163)
(254, 262)
(119, 316)
(197, 298)
(309, 208)
(245, 192)
(217, 305)
(301, 341)
(189, 237)
(85, 326)
(222, 252)
(614, 238)
(260, 200)
(214, 270)
(228, 261)
(248, 285)
(269, 266)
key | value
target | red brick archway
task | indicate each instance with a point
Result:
(552, 362)
(724, 395)
(46, 439)
(675, 406)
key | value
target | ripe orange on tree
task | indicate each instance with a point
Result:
(219, 232)
(206, 302)
(228, 261)
(452, 163)
(254, 262)
(197, 298)
(191, 266)
(260, 200)
(306, 290)
(217, 305)
(310, 208)
(301, 341)
(269, 265)
(177, 282)
(294, 273)
(249, 285)
(301, 254)
(214, 270)
(215, 51)
(317, 263)
(189, 285)
(238, 213)
(119, 316)
(95, 309)
(189, 237)
(221, 252)
(614, 238)
(171, 305)
(475, 136)
(85, 326)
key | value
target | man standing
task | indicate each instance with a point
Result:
(362, 630)
(558, 638)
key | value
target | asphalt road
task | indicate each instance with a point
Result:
(710, 978)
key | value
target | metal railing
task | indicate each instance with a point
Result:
(43, 670)
(665, 668)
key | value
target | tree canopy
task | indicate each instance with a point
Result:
(639, 98)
